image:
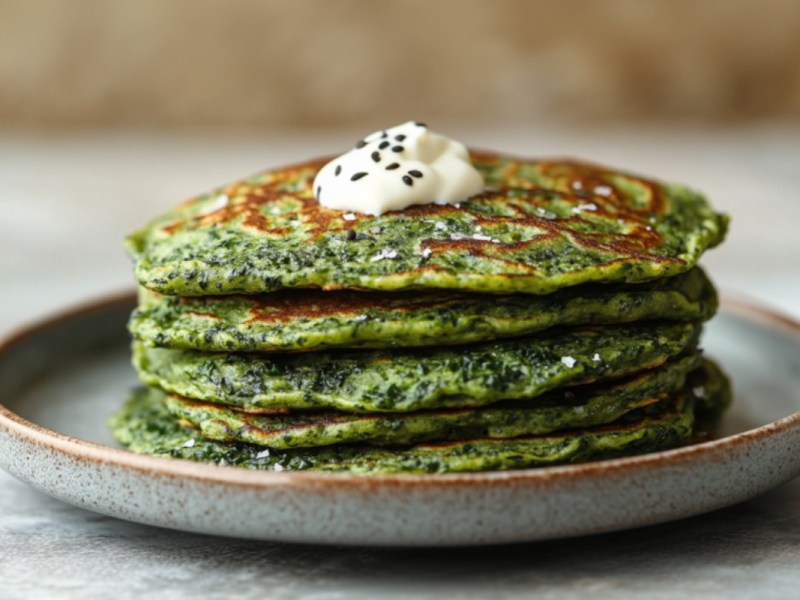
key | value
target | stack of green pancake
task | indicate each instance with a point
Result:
(552, 319)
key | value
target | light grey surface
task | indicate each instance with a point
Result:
(66, 202)
(56, 551)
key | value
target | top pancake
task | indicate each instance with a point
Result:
(538, 227)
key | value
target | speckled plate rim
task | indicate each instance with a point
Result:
(81, 451)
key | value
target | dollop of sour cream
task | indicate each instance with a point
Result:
(397, 168)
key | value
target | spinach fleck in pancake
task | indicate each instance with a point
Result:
(312, 319)
(144, 425)
(540, 226)
(407, 380)
(584, 406)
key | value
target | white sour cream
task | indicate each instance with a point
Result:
(397, 168)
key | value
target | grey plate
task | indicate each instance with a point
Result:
(61, 380)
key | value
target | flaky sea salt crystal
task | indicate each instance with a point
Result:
(602, 190)
(568, 361)
(219, 202)
(385, 253)
(590, 206)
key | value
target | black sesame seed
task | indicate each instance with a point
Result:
(384, 134)
(376, 156)
(400, 137)
(338, 170)
(393, 166)
(397, 148)
(419, 124)
(351, 235)
(360, 144)
(407, 180)
(319, 191)
(383, 146)
(358, 176)
(415, 173)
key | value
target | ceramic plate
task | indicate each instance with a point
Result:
(61, 380)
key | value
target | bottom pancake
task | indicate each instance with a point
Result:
(145, 425)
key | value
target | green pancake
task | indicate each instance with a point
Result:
(579, 407)
(144, 425)
(292, 320)
(539, 226)
(408, 380)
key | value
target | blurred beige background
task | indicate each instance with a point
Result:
(251, 63)
(113, 110)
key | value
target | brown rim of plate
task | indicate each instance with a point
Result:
(91, 452)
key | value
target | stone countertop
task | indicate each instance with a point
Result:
(67, 201)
